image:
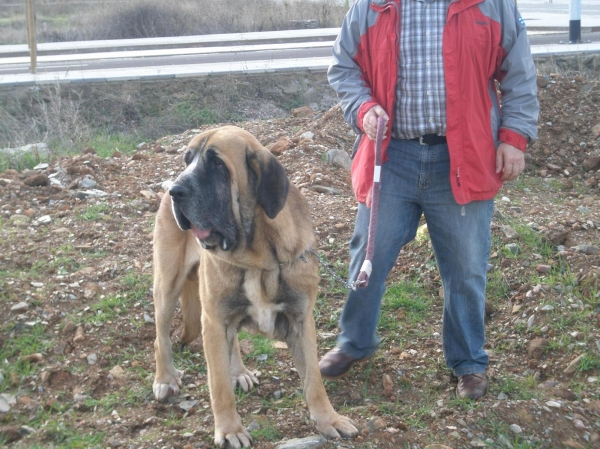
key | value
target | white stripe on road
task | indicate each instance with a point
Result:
(234, 67)
(165, 52)
(182, 71)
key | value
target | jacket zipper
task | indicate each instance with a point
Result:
(458, 176)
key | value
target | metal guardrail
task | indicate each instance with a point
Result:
(317, 64)
(208, 40)
(189, 51)
(73, 53)
(168, 72)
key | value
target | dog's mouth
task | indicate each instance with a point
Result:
(206, 237)
(201, 234)
(209, 238)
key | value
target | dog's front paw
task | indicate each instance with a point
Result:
(335, 425)
(235, 437)
(167, 385)
(245, 379)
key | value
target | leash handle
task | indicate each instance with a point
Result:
(365, 271)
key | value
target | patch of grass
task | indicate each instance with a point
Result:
(516, 442)
(262, 345)
(522, 388)
(390, 409)
(188, 361)
(462, 403)
(98, 254)
(367, 369)
(64, 264)
(94, 212)
(23, 341)
(589, 362)
(198, 116)
(106, 144)
(136, 287)
(108, 308)
(126, 397)
(420, 417)
(494, 426)
(266, 432)
(496, 286)
(62, 434)
(20, 161)
(173, 420)
(533, 240)
(293, 104)
(407, 298)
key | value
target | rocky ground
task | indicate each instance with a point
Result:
(76, 313)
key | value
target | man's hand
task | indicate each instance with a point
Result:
(510, 161)
(369, 123)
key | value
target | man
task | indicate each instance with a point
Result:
(429, 68)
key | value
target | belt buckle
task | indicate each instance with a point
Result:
(421, 141)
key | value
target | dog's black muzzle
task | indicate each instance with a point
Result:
(208, 222)
(178, 195)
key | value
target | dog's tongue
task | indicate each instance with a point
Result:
(200, 233)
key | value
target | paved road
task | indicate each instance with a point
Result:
(547, 23)
(555, 13)
(227, 57)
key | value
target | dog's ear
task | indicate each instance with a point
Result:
(272, 182)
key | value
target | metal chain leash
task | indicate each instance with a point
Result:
(333, 274)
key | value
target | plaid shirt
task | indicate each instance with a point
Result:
(420, 106)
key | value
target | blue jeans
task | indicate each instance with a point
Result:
(415, 180)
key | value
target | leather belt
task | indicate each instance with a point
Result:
(430, 139)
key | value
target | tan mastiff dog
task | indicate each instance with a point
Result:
(231, 242)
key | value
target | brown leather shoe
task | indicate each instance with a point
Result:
(336, 364)
(472, 386)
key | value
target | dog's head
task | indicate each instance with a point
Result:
(229, 176)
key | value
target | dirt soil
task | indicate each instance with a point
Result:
(76, 312)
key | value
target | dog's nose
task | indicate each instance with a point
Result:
(177, 192)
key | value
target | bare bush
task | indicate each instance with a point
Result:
(67, 21)
(139, 19)
(155, 18)
(50, 115)
(60, 118)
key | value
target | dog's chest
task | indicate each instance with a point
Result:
(261, 289)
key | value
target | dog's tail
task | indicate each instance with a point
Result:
(191, 310)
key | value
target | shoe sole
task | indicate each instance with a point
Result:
(344, 374)
(470, 398)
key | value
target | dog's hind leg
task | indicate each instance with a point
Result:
(302, 342)
(240, 375)
(191, 309)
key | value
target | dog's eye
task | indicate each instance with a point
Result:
(213, 160)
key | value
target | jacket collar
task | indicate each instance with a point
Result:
(457, 6)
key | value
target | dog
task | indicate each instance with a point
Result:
(232, 241)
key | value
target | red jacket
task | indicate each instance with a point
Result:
(483, 41)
